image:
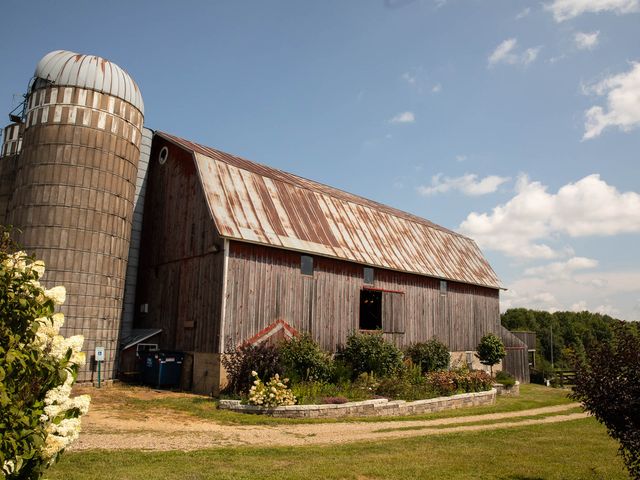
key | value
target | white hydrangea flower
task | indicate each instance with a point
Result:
(61, 345)
(9, 467)
(38, 268)
(57, 294)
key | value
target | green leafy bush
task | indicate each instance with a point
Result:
(608, 385)
(38, 367)
(304, 360)
(370, 353)
(262, 358)
(505, 378)
(491, 350)
(409, 384)
(431, 356)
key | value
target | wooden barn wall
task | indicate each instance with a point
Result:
(181, 259)
(265, 284)
(517, 360)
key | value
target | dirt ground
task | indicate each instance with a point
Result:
(113, 424)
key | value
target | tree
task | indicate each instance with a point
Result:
(608, 385)
(490, 350)
(37, 369)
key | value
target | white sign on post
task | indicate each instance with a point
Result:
(99, 354)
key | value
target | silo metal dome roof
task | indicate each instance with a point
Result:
(89, 71)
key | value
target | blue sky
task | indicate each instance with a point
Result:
(516, 123)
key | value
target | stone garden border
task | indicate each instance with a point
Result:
(367, 408)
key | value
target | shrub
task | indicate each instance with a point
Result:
(608, 385)
(37, 370)
(475, 381)
(370, 353)
(491, 350)
(303, 359)
(505, 378)
(451, 382)
(444, 383)
(274, 393)
(431, 356)
(262, 358)
(409, 384)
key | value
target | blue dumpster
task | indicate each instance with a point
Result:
(162, 368)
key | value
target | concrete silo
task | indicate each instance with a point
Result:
(9, 152)
(74, 189)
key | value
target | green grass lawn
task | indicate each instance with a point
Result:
(531, 396)
(577, 449)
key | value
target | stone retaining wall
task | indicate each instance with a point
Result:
(513, 391)
(367, 408)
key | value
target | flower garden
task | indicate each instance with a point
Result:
(367, 367)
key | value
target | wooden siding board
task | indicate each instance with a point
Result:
(332, 295)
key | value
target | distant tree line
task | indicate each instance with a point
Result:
(565, 333)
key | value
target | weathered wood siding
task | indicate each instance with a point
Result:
(180, 276)
(265, 284)
(517, 360)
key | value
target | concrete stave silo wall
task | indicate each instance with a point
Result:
(73, 200)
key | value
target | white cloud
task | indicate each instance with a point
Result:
(562, 269)
(537, 300)
(586, 41)
(507, 53)
(580, 306)
(566, 9)
(588, 207)
(616, 295)
(468, 184)
(523, 13)
(404, 117)
(409, 78)
(607, 310)
(623, 103)
(437, 88)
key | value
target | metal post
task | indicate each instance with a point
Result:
(551, 330)
(99, 362)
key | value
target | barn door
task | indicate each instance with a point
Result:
(393, 312)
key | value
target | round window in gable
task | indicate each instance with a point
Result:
(163, 155)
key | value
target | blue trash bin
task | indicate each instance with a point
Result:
(162, 368)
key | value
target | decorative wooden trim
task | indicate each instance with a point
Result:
(271, 330)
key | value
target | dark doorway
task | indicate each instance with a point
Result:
(370, 310)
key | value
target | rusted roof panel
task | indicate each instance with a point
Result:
(255, 203)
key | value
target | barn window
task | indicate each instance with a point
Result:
(381, 310)
(306, 265)
(443, 287)
(368, 275)
(370, 310)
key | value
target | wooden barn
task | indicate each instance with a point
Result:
(234, 251)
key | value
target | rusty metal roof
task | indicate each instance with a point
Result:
(259, 204)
